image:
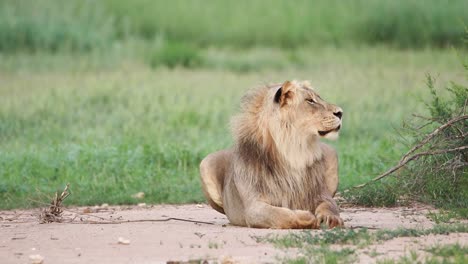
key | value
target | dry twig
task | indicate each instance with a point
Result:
(433, 134)
(55, 210)
(111, 222)
(409, 156)
(407, 159)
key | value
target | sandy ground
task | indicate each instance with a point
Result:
(209, 237)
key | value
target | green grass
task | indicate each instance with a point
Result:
(454, 253)
(297, 23)
(322, 246)
(82, 26)
(324, 254)
(451, 253)
(114, 129)
(359, 237)
(175, 54)
(448, 216)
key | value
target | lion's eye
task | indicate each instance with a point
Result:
(311, 101)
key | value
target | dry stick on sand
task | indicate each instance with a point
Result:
(111, 222)
(408, 157)
(54, 212)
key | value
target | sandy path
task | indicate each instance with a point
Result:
(174, 240)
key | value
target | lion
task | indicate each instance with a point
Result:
(278, 174)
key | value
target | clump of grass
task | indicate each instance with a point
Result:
(325, 254)
(455, 253)
(446, 216)
(375, 194)
(176, 54)
(248, 60)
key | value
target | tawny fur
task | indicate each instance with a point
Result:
(278, 174)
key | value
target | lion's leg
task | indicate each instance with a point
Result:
(331, 171)
(212, 171)
(263, 215)
(328, 213)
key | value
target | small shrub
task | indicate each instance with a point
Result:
(441, 179)
(436, 167)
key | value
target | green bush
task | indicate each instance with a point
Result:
(53, 25)
(437, 168)
(442, 179)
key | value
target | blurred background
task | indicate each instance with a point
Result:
(83, 26)
(119, 97)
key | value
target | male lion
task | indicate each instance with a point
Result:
(278, 174)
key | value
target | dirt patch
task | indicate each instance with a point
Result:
(182, 233)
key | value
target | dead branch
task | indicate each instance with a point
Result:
(432, 135)
(425, 117)
(407, 159)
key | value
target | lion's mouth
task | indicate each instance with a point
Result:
(323, 133)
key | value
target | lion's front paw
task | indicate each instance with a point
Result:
(330, 220)
(305, 219)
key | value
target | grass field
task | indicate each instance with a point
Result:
(118, 97)
(112, 126)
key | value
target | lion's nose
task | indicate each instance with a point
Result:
(338, 114)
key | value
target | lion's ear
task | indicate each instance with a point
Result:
(284, 94)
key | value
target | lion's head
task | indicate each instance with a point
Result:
(298, 105)
(289, 118)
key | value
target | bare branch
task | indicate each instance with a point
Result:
(113, 222)
(433, 134)
(407, 159)
(425, 117)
